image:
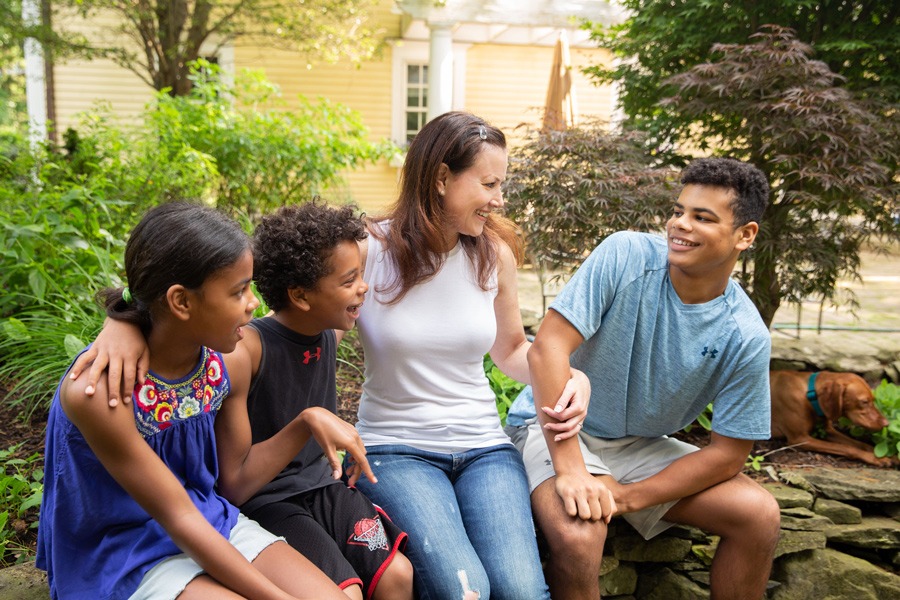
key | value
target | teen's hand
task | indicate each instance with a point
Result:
(585, 496)
(571, 408)
(334, 434)
(120, 351)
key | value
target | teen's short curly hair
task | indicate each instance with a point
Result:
(749, 184)
(291, 247)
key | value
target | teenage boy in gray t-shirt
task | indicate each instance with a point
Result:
(661, 330)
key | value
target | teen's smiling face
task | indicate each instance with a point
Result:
(470, 196)
(338, 296)
(701, 234)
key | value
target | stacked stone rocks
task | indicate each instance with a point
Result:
(840, 539)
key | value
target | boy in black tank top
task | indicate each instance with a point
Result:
(307, 268)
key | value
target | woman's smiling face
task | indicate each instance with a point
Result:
(471, 195)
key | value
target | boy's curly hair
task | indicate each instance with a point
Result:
(748, 182)
(291, 247)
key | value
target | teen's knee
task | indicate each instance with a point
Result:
(569, 539)
(769, 519)
(576, 541)
(759, 515)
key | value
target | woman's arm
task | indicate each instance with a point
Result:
(121, 350)
(510, 348)
(113, 437)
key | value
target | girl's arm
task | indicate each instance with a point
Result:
(510, 350)
(113, 437)
(121, 350)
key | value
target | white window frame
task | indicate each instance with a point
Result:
(405, 53)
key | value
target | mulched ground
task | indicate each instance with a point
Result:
(777, 455)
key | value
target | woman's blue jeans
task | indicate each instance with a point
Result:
(468, 516)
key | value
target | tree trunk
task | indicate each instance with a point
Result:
(766, 292)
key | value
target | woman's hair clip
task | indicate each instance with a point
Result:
(482, 132)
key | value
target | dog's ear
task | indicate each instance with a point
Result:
(832, 400)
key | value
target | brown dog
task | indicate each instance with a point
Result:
(838, 395)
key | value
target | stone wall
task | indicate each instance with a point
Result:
(870, 356)
(840, 539)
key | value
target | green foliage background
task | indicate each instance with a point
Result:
(65, 212)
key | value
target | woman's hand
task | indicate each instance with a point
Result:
(122, 352)
(571, 409)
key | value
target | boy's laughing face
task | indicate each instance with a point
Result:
(338, 296)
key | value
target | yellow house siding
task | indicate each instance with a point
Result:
(81, 84)
(507, 85)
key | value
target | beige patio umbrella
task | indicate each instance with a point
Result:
(559, 109)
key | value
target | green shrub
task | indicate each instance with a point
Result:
(505, 388)
(886, 441)
(570, 189)
(21, 490)
(65, 211)
(266, 154)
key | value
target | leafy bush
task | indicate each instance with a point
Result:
(266, 155)
(65, 212)
(886, 441)
(21, 490)
(704, 419)
(570, 189)
(505, 388)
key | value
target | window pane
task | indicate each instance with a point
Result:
(412, 121)
(412, 74)
(413, 97)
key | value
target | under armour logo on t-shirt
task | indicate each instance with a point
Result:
(309, 355)
(712, 353)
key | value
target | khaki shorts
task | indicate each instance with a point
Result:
(627, 460)
(169, 577)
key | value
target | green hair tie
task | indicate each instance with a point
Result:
(126, 295)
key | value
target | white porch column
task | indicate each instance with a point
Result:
(35, 90)
(440, 69)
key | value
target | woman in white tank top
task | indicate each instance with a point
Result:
(441, 268)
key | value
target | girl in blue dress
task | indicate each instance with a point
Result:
(130, 508)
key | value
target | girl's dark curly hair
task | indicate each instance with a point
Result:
(751, 190)
(291, 247)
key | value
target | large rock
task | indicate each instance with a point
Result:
(668, 585)
(791, 542)
(873, 357)
(862, 484)
(830, 575)
(23, 582)
(872, 532)
(659, 549)
(621, 580)
(803, 519)
(838, 512)
(789, 497)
